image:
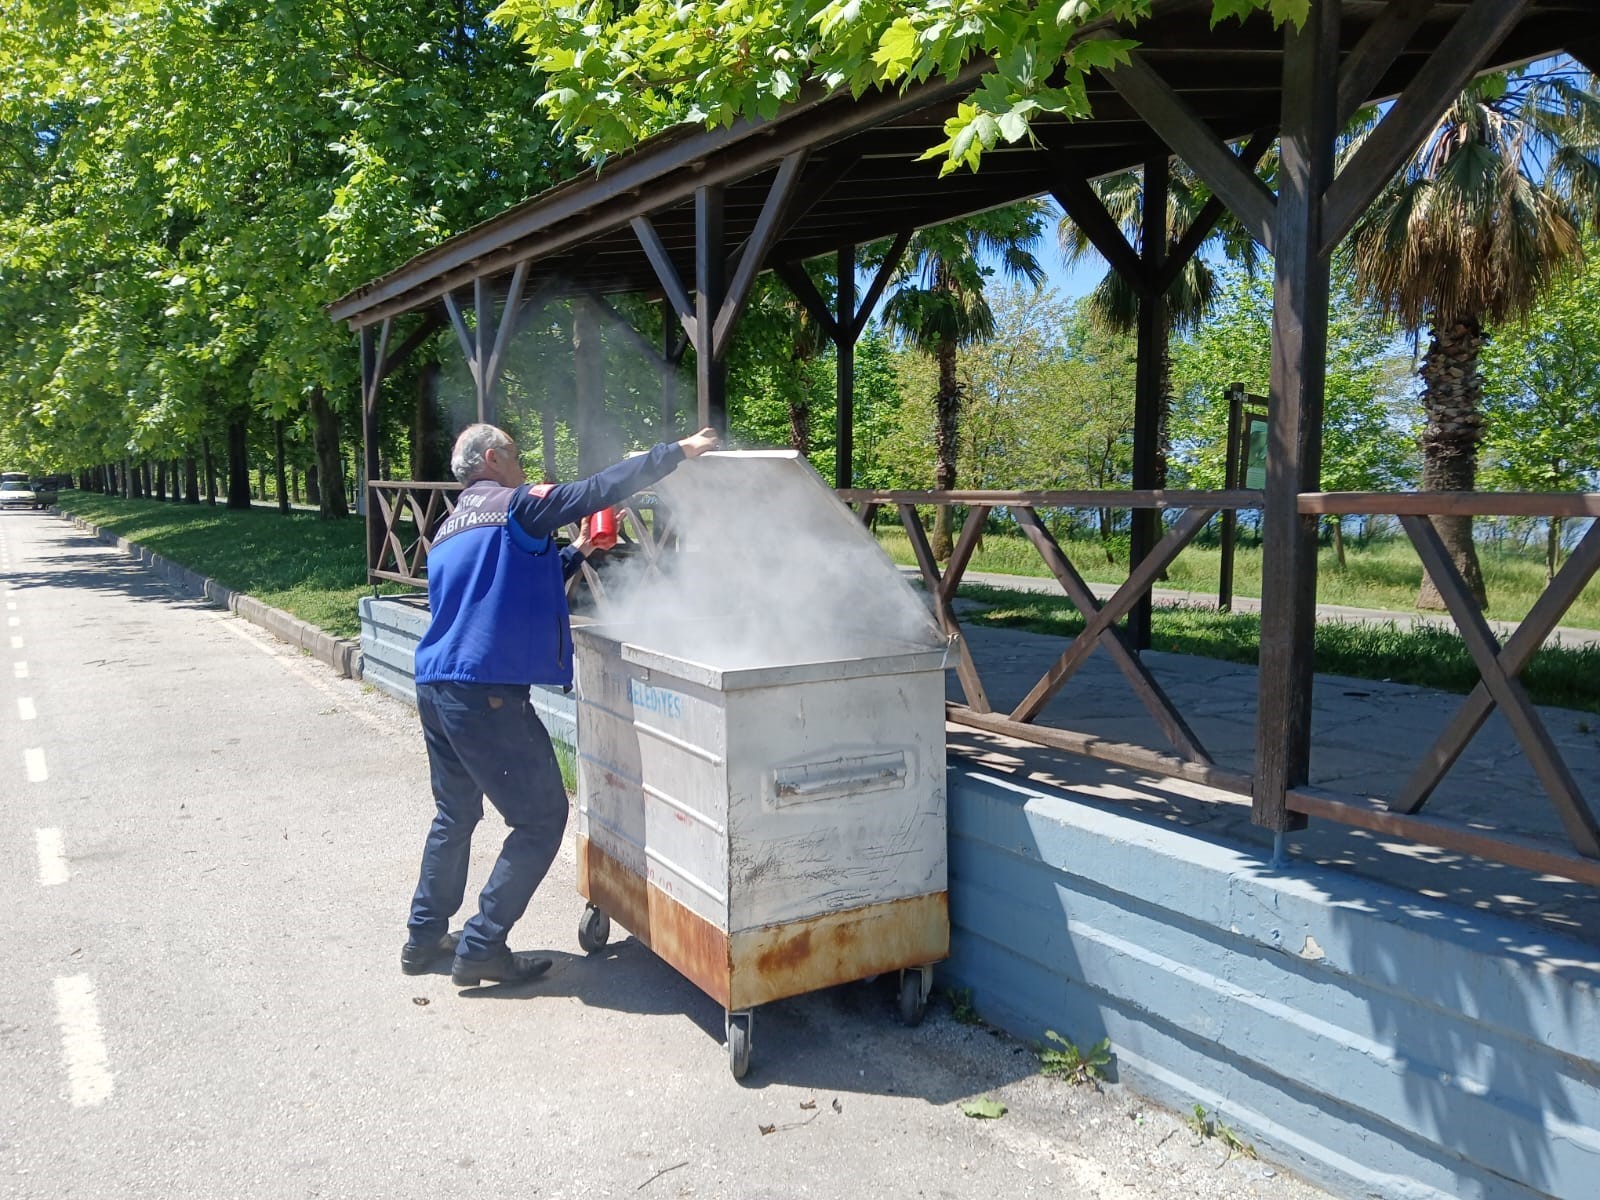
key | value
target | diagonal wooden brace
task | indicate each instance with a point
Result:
(1519, 649)
(942, 590)
(1505, 690)
(1175, 123)
(1471, 39)
(1139, 581)
(1144, 685)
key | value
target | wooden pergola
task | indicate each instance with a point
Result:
(692, 217)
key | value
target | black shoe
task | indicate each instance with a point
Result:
(417, 957)
(504, 967)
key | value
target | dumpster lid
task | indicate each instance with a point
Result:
(783, 569)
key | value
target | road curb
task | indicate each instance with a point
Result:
(342, 654)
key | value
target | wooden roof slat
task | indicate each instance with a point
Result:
(1227, 77)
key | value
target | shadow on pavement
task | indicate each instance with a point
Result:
(840, 1039)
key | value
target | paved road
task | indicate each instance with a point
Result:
(207, 844)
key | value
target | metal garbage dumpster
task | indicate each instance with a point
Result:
(766, 814)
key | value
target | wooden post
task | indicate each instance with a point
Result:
(1230, 480)
(1294, 455)
(483, 307)
(670, 329)
(710, 270)
(1149, 383)
(845, 370)
(371, 384)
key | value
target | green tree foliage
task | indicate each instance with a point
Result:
(1367, 412)
(619, 72)
(937, 304)
(1541, 397)
(184, 185)
(1471, 233)
(1047, 402)
(1115, 303)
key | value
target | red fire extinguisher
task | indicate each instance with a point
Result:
(603, 529)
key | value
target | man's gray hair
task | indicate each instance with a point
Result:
(466, 460)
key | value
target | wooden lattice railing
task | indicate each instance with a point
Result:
(405, 514)
(1500, 666)
(402, 517)
(1188, 758)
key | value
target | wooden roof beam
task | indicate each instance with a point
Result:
(1462, 53)
(1206, 219)
(1198, 145)
(1378, 50)
(1088, 212)
(672, 286)
(755, 250)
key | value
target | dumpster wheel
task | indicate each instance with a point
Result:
(739, 1043)
(915, 985)
(594, 930)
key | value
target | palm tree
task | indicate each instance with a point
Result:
(937, 305)
(1470, 234)
(1114, 303)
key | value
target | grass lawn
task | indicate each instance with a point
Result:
(1429, 656)
(1383, 574)
(311, 568)
(316, 570)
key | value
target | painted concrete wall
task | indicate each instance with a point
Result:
(1380, 1047)
(1383, 1048)
(392, 626)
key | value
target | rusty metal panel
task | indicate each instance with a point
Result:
(687, 942)
(802, 956)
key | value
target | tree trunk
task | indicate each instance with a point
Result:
(261, 483)
(313, 491)
(1552, 547)
(1451, 396)
(161, 480)
(800, 425)
(127, 481)
(947, 428)
(239, 461)
(1338, 541)
(191, 480)
(280, 473)
(137, 474)
(330, 463)
(211, 470)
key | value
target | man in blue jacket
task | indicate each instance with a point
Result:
(497, 589)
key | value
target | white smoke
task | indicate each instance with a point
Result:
(768, 568)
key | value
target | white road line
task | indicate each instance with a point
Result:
(11, 606)
(13, 621)
(16, 641)
(25, 709)
(52, 858)
(34, 759)
(83, 1046)
(20, 670)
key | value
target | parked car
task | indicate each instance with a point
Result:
(19, 493)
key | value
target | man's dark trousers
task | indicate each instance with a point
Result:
(485, 740)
